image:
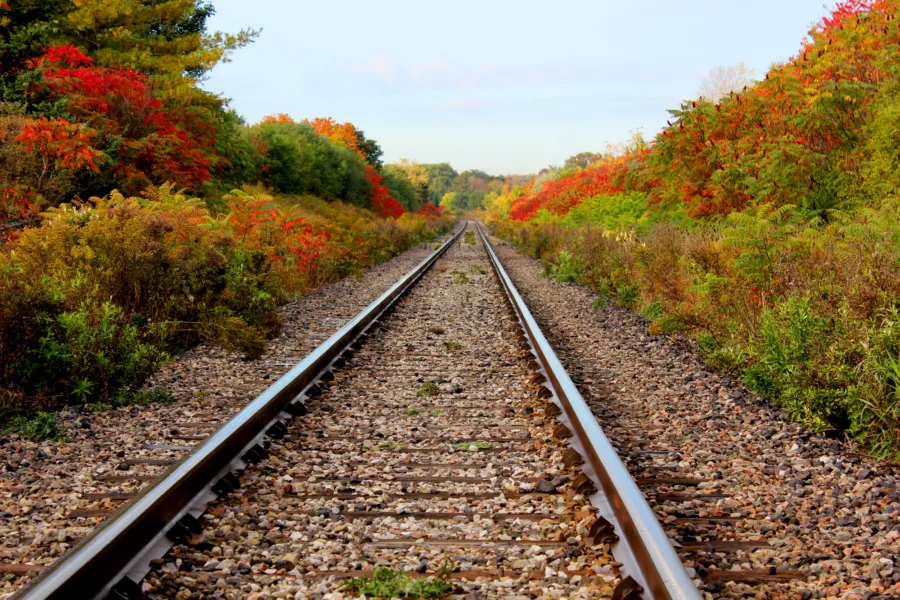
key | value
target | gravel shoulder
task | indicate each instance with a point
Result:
(53, 493)
(826, 518)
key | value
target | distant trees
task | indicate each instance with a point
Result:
(582, 160)
(722, 80)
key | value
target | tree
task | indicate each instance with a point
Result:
(722, 80)
(371, 149)
(401, 187)
(26, 27)
(158, 37)
(582, 160)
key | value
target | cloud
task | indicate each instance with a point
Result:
(381, 67)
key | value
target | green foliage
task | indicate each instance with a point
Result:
(803, 310)
(298, 161)
(411, 411)
(566, 269)
(26, 28)
(89, 352)
(481, 445)
(102, 293)
(453, 345)
(469, 237)
(390, 445)
(401, 187)
(385, 583)
(459, 277)
(42, 426)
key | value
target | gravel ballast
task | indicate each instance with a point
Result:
(819, 520)
(429, 452)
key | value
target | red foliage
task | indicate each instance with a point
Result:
(560, 196)
(430, 211)
(382, 201)
(67, 145)
(152, 143)
(269, 228)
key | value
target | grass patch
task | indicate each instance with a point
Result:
(478, 270)
(458, 276)
(434, 412)
(437, 330)
(478, 444)
(387, 445)
(387, 583)
(412, 411)
(429, 388)
(42, 426)
(453, 346)
(469, 237)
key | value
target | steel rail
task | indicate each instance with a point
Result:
(642, 547)
(114, 557)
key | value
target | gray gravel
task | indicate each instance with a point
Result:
(828, 516)
(43, 484)
(346, 490)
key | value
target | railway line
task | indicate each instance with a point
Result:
(435, 441)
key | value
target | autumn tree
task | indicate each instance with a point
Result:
(582, 160)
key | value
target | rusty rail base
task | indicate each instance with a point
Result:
(651, 568)
(112, 560)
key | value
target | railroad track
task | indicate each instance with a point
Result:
(435, 435)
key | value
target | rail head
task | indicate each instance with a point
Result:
(642, 547)
(99, 565)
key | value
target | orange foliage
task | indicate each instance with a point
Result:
(278, 118)
(66, 145)
(340, 133)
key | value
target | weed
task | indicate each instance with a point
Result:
(429, 388)
(453, 346)
(469, 237)
(98, 407)
(459, 277)
(42, 426)
(600, 302)
(201, 394)
(390, 445)
(477, 444)
(478, 270)
(434, 412)
(412, 411)
(386, 583)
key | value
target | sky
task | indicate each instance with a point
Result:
(498, 85)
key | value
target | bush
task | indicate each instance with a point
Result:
(103, 292)
(802, 310)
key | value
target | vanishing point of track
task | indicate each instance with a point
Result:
(435, 432)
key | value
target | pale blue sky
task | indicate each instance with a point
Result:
(507, 87)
